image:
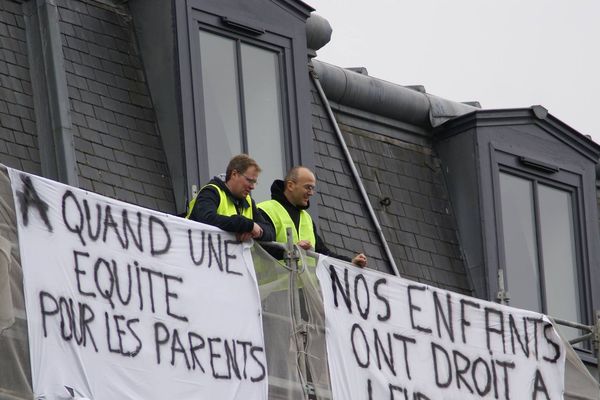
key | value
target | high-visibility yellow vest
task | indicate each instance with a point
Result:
(281, 220)
(226, 206)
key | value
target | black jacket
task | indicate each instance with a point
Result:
(205, 210)
(294, 212)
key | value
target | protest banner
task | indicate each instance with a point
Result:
(391, 338)
(127, 303)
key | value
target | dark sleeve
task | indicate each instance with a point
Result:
(274, 251)
(321, 248)
(267, 227)
(205, 211)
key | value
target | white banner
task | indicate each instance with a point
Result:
(390, 338)
(128, 303)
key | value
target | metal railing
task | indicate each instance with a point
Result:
(592, 333)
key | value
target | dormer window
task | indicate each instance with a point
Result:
(523, 188)
(245, 88)
(539, 221)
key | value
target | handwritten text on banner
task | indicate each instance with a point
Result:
(124, 302)
(390, 338)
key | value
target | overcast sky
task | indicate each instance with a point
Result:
(502, 53)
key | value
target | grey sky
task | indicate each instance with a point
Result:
(502, 53)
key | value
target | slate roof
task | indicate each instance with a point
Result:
(418, 224)
(18, 138)
(118, 148)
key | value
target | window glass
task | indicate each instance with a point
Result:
(263, 113)
(520, 249)
(539, 238)
(242, 96)
(221, 100)
(558, 252)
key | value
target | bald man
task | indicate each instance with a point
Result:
(287, 208)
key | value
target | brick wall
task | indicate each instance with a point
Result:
(118, 148)
(18, 138)
(418, 223)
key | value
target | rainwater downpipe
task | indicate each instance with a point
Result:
(355, 174)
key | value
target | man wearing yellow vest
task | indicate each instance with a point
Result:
(287, 208)
(228, 205)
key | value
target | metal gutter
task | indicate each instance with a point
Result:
(357, 178)
(387, 99)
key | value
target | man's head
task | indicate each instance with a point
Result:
(242, 175)
(299, 185)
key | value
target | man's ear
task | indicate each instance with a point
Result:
(287, 185)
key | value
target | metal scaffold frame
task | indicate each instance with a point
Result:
(591, 332)
(292, 257)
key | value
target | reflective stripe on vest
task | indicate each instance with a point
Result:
(226, 206)
(281, 220)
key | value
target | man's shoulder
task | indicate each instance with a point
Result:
(214, 184)
(268, 205)
(266, 202)
(209, 190)
(306, 214)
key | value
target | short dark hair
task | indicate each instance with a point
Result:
(240, 163)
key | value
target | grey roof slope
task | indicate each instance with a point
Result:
(118, 148)
(18, 138)
(418, 223)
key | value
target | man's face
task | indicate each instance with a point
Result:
(241, 183)
(298, 193)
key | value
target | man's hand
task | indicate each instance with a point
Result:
(256, 231)
(360, 260)
(304, 244)
(243, 237)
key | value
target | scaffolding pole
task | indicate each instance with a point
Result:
(299, 331)
(596, 343)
